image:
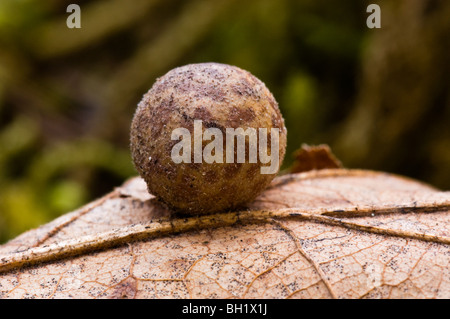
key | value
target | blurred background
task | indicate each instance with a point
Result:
(379, 97)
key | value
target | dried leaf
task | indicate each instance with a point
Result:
(332, 233)
(314, 157)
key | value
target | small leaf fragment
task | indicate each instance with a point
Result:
(314, 157)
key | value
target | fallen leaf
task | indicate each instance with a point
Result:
(316, 157)
(332, 233)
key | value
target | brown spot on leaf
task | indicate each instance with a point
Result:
(124, 290)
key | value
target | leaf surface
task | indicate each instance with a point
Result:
(333, 233)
